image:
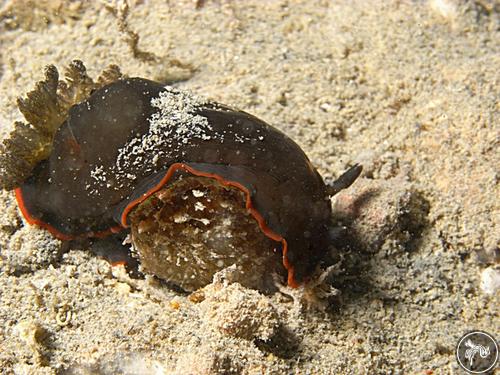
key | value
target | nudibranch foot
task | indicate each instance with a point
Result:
(114, 248)
(197, 221)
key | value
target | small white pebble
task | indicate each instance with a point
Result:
(123, 288)
(198, 193)
(198, 206)
(445, 8)
(490, 280)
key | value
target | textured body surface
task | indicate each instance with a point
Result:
(121, 144)
(195, 227)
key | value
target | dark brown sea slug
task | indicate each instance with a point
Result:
(202, 185)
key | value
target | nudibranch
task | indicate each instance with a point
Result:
(199, 186)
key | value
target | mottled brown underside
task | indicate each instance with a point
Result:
(196, 227)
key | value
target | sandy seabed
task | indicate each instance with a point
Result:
(408, 89)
